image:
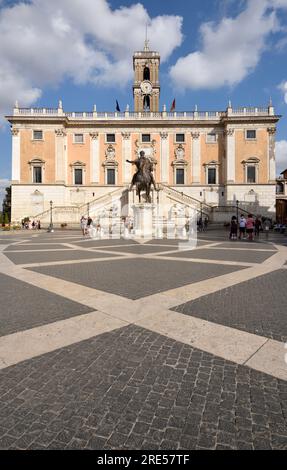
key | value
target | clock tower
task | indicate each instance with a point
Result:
(146, 87)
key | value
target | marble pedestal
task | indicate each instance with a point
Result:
(143, 220)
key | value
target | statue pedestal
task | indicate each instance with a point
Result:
(143, 220)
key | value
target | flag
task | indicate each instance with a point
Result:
(172, 106)
(117, 106)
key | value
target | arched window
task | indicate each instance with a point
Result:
(146, 74)
(146, 103)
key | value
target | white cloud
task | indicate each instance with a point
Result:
(42, 43)
(281, 155)
(230, 49)
(283, 88)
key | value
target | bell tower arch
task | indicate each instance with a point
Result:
(146, 86)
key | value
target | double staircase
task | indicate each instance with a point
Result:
(120, 197)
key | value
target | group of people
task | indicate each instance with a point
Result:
(87, 224)
(31, 224)
(248, 227)
(202, 224)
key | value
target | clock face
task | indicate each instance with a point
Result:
(146, 87)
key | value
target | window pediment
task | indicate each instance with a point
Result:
(36, 161)
(78, 163)
(251, 160)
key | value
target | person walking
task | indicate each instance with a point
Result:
(242, 227)
(233, 228)
(205, 223)
(199, 223)
(257, 226)
(266, 227)
(250, 227)
(83, 225)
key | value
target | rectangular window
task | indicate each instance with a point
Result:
(78, 176)
(180, 176)
(211, 176)
(79, 138)
(38, 135)
(211, 138)
(37, 174)
(145, 137)
(111, 176)
(111, 138)
(251, 134)
(251, 174)
(179, 138)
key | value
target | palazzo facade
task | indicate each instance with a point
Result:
(76, 159)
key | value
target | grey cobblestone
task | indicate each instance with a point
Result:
(209, 415)
(257, 306)
(27, 306)
(142, 277)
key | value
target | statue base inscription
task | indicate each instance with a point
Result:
(143, 220)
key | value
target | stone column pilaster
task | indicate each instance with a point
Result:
(164, 157)
(15, 155)
(94, 158)
(271, 155)
(126, 155)
(61, 167)
(195, 162)
(230, 155)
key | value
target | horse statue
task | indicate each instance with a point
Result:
(143, 178)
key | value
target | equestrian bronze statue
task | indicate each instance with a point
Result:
(143, 178)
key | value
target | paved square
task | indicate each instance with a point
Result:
(258, 306)
(223, 255)
(135, 278)
(25, 306)
(49, 256)
(165, 353)
(135, 389)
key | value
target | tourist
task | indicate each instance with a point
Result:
(89, 225)
(199, 224)
(83, 225)
(233, 228)
(266, 227)
(250, 227)
(242, 227)
(257, 226)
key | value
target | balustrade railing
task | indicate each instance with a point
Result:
(165, 115)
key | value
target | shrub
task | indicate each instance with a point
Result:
(64, 225)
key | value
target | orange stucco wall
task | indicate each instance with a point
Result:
(78, 152)
(30, 149)
(245, 149)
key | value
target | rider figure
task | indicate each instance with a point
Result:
(139, 162)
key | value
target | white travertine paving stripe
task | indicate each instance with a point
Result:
(27, 344)
(223, 341)
(232, 344)
(159, 256)
(76, 261)
(271, 359)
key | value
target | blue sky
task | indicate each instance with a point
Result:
(80, 51)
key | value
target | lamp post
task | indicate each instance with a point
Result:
(88, 209)
(237, 202)
(51, 229)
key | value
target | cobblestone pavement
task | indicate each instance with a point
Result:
(172, 354)
(26, 306)
(134, 389)
(135, 278)
(36, 257)
(258, 306)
